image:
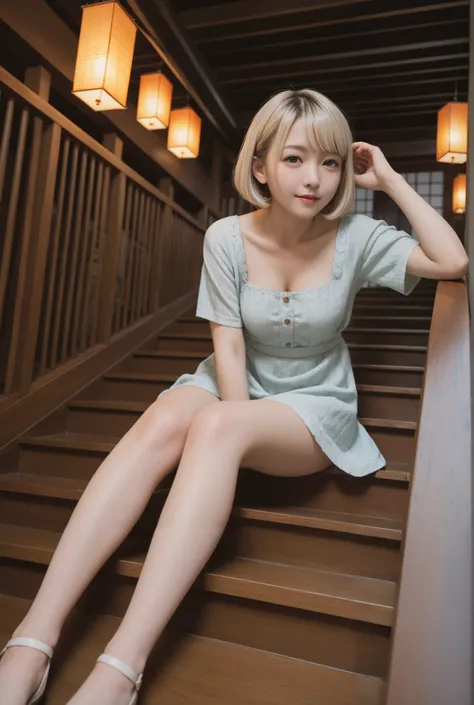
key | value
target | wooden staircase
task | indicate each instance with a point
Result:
(297, 603)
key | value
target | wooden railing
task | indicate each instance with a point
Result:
(432, 652)
(88, 248)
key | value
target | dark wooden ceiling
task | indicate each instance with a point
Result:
(390, 65)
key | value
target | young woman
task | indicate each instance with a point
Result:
(277, 286)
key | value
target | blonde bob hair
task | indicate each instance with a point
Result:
(269, 130)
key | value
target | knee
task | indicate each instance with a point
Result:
(212, 422)
(161, 423)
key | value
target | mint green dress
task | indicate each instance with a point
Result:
(295, 351)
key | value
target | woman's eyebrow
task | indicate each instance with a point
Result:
(295, 146)
(302, 148)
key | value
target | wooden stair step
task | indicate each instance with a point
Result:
(117, 416)
(348, 596)
(118, 405)
(201, 670)
(88, 448)
(390, 368)
(343, 522)
(389, 423)
(73, 441)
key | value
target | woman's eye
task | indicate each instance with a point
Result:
(295, 156)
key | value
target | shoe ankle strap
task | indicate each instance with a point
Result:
(126, 670)
(31, 643)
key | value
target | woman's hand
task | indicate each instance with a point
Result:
(372, 169)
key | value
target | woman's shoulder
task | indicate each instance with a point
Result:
(221, 240)
(222, 228)
(363, 224)
(363, 230)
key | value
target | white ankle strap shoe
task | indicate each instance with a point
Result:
(39, 646)
(127, 671)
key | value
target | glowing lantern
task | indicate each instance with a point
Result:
(459, 193)
(154, 101)
(451, 138)
(104, 56)
(184, 133)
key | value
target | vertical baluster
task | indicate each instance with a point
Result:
(122, 263)
(97, 334)
(87, 310)
(5, 143)
(156, 258)
(12, 210)
(136, 262)
(128, 278)
(149, 274)
(48, 311)
(86, 234)
(74, 256)
(145, 257)
(112, 245)
(62, 260)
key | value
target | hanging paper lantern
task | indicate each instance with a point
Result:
(104, 56)
(154, 101)
(459, 193)
(451, 138)
(184, 133)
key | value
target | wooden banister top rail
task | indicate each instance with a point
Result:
(45, 110)
(432, 647)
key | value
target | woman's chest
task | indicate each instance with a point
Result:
(295, 269)
(286, 318)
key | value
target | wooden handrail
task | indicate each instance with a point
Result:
(43, 109)
(432, 658)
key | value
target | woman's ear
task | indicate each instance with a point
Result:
(259, 170)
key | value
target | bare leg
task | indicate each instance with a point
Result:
(121, 487)
(268, 436)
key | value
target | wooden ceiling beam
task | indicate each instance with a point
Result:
(343, 83)
(365, 16)
(352, 53)
(242, 10)
(346, 67)
(387, 97)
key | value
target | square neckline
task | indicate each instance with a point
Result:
(336, 269)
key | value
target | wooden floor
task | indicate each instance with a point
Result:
(297, 604)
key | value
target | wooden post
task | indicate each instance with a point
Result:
(39, 80)
(113, 143)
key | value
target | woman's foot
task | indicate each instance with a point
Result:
(104, 685)
(21, 672)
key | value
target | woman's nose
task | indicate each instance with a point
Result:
(312, 176)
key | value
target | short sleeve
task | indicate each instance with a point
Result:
(218, 298)
(385, 256)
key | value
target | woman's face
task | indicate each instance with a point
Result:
(301, 169)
